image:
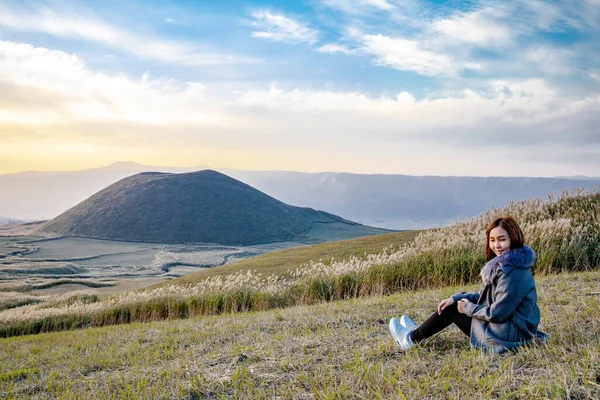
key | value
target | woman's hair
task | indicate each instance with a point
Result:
(514, 233)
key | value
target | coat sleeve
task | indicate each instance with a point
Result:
(510, 291)
(472, 297)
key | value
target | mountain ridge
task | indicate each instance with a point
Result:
(390, 201)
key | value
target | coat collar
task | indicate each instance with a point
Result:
(523, 257)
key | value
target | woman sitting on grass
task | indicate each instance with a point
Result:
(504, 314)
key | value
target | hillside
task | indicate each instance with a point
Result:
(196, 207)
(326, 351)
(564, 232)
(284, 262)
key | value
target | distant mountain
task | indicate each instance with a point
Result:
(6, 221)
(403, 201)
(35, 195)
(195, 207)
(389, 201)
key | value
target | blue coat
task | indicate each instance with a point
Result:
(505, 313)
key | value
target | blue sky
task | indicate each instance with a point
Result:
(373, 86)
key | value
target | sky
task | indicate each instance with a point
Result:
(474, 88)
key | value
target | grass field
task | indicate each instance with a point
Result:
(312, 323)
(326, 351)
(564, 232)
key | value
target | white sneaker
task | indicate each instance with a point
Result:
(400, 334)
(408, 323)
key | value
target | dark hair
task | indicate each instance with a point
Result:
(514, 233)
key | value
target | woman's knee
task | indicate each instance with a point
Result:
(450, 310)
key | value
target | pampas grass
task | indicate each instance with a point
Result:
(564, 231)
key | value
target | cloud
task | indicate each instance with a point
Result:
(551, 60)
(80, 94)
(489, 39)
(408, 55)
(333, 48)
(358, 6)
(429, 46)
(556, 16)
(73, 92)
(85, 26)
(75, 104)
(478, 28)
(281, 28)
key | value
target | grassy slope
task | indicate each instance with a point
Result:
(331, 350)
(284, 261)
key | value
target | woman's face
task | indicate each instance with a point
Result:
(499, 240)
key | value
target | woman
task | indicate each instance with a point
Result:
(504, 314)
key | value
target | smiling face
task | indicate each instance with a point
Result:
(499, 240)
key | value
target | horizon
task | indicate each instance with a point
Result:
(218, 169)
(420, 88)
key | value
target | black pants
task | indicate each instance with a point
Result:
(438, 322)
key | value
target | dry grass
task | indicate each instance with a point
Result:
(565, 233)
(16, 299)
(284, 262)
(37, 284)
(325, 351)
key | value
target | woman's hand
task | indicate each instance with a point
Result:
(444, 303)
(461, 305)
